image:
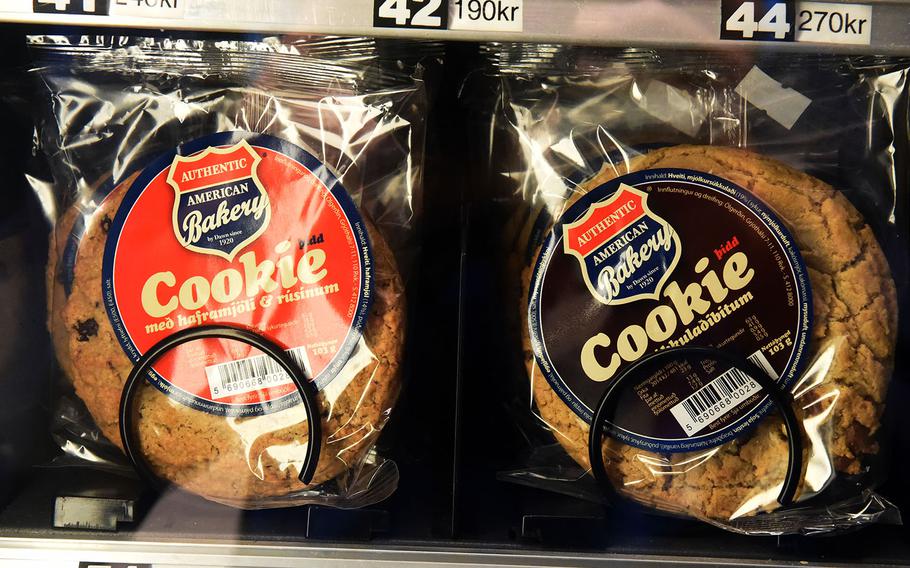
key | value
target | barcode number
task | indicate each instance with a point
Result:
(719, 397)
(253, 373)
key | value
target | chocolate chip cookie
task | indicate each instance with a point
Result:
(841, 392)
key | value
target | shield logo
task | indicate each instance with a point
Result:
(220, 204)
(626, 251)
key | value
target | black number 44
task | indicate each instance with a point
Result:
(431, 14)
(757, 20)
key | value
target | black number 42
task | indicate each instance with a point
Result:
(433, 14)
(758, 20)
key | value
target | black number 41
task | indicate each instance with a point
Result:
(757, 20)
(92, 7)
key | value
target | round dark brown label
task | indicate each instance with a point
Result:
(669, 258)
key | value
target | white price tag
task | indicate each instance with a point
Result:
(173, 9)
(486, 15)
(20, 6)
(827, 22)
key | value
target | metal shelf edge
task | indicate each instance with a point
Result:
(16, 552)
(690, 23)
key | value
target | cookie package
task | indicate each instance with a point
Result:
(271, 186)
(704, 262)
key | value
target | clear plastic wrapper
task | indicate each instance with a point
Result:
(272, 186)
(665, 203)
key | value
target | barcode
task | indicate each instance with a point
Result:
(250, 374)
(714, 400)
(759, 360)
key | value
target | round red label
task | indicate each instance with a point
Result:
(246, 230)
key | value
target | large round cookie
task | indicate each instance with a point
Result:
(852, 345)
(55, 278)
(236, 460)
(55, 289)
